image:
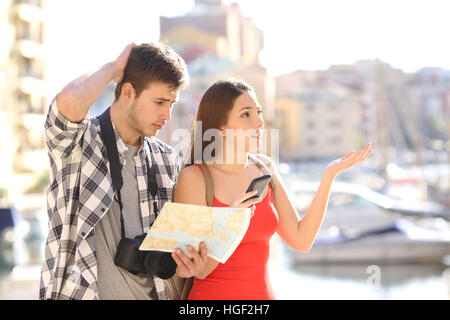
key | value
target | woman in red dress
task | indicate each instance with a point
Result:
(231, 110)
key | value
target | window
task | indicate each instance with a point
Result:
(310, 124)
(311, 142)
(334, 140)
(335, 123)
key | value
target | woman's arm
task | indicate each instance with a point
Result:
(301, 233)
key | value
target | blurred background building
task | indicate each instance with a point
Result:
(22, 95)
(217, 41)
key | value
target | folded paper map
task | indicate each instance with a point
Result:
(179, 225)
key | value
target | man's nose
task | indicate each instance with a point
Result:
(166, 114)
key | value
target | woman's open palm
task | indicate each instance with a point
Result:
(349, 160)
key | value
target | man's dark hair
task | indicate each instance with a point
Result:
(153, 62)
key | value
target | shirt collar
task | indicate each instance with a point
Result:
(122, 147)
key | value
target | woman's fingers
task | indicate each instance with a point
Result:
(348, 155)
(250, 202)
(367, 154)
(241, 198)
(361, 155)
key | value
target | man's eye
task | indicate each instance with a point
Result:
(159, 103)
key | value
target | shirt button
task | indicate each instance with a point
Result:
(103, 209)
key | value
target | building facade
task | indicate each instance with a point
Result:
(22, 96)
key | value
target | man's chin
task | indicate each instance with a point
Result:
(151, 133)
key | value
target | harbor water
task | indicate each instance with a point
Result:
(303, 282)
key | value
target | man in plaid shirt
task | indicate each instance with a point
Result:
(84, 227)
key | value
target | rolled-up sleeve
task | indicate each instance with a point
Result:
(61, 135)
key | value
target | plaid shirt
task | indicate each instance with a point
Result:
(81, 192)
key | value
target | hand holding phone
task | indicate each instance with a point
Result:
(259, 184)
(253, 194)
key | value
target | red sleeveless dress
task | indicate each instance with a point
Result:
(244, 275)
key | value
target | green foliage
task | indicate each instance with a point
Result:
(3, 193)
(40, 184)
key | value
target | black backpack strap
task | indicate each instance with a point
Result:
(151, 178)
(109, 140)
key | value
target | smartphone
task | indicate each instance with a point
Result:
(259, 184)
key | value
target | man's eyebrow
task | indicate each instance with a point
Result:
(165, 99)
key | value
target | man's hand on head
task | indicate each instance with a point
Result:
(121, 62)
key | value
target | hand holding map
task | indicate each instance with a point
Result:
(179, 225)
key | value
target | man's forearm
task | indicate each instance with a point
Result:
(76, 98)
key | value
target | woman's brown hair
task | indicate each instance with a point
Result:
(213, 111)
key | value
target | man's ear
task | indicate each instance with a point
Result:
(128, 93)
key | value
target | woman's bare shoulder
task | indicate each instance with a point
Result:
(191, 186)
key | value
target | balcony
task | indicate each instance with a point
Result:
(32, 86)
(29, 11)
(30, 49)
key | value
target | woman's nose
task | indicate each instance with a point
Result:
(260, 123)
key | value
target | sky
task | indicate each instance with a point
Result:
(82, 35)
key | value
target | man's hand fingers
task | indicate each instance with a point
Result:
(126, 53)
(185, 259)
(198, 259)
(182, 268)
(121, 62)
(356, 157)
(203, 251)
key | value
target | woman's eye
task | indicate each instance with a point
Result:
(245, 115)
